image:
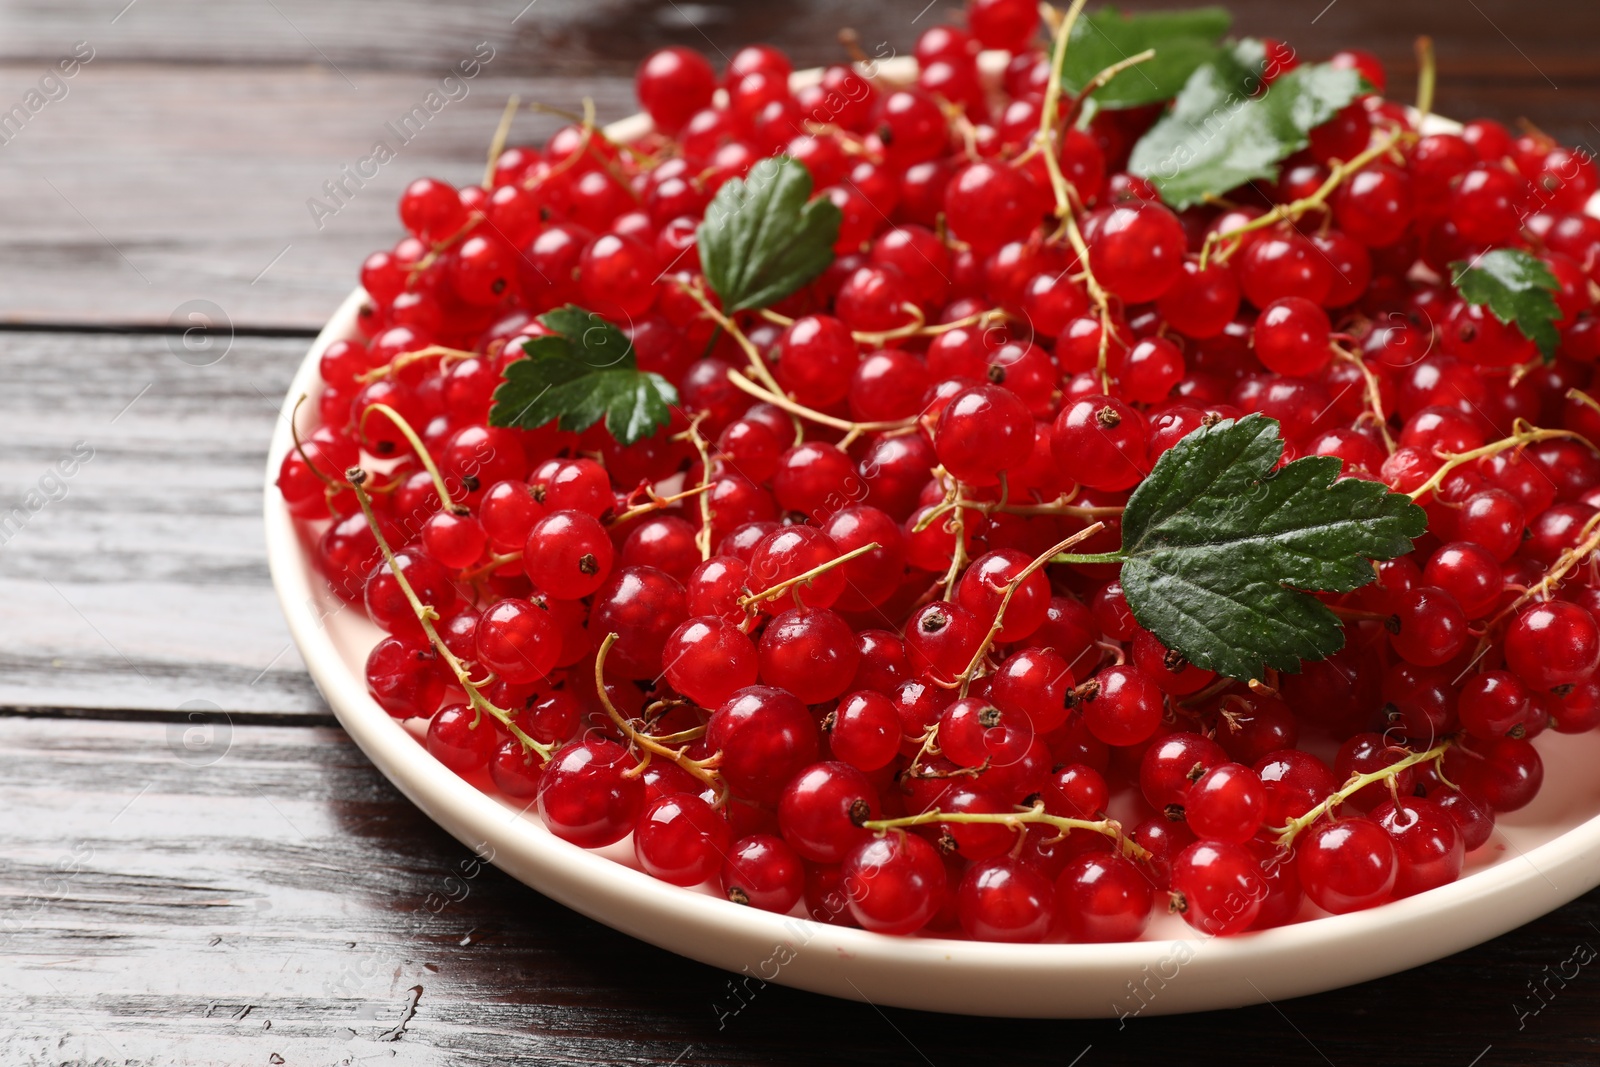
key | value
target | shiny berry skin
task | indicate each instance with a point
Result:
(1472, 817)
(1167, 667)
(708, 658)
(941, 639)
(1428, 845)
(404, 677)
(1226, 804)
(766, 737)
(515, 772)
(1004, 899)
(816, 479)
(680, 839)
(1284, 264)
(573, 485)
(1295, 782)
(816, 357)
(568, 555)
(665, 542)
(1366, 753)
(1428, 626)
(1346, 865)
(912, 128)
(1552, 644)
(810, 652)
(616, 277)
(1101, 897)
(462, 739)
(1469, 573)
(1503, 774)
(389, 607)
(1150, 370)
(989, 204)
(864, 730)
(1485, 204)
(586, 798)
(787, 553)
(302, 490)
(642, 606)
(431, 210)
(1126, 707)
(895, 884)
(983, 431)
(1034, 682)
(1217, 887)
(1374, 205)
(1136, 252)
(1291, 336)
(517, 641)
(1100, 442)
(763, 872)
(822, 808)
(1201, 303)
(1171, 766)
(714, 588)
(983, 586)
(672, 84)
(1076, 791)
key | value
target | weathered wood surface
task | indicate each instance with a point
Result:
(253, 892)
(272, 895)
(139, 582)
(179, 163)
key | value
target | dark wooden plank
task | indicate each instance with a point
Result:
(207, 199)
(141, 584)
(283, 899)
(582, 38)
(180, 163)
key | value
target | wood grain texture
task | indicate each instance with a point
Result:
(244, 888)
(180, 162)
(140, 583)
(282, 899)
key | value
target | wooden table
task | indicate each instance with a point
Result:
(196, 865)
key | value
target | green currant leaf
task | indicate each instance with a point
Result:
(581, 374)
(1182, 40)
(1221, 552)
(1217, 136)
(1518, 288)
(763, 237)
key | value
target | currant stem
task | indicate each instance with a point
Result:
(405, 359)
(778, 400)
(702, 536)
(703, 770)
(498, 144)
(1374, 395)
(758, 366)
(1099, 81)
(1427, 72)
(404, 427)
(1337, 174)
(1017, 820)
(1287, 834)
(1091, 557)
(656, 503)
(1563, 566)
(426, 615)
(1012, 586)
(1523, 434)
(294, 432)
(787, 584)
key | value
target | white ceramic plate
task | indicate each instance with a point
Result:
(1538, 859)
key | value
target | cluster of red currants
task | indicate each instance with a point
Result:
(833, 673)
